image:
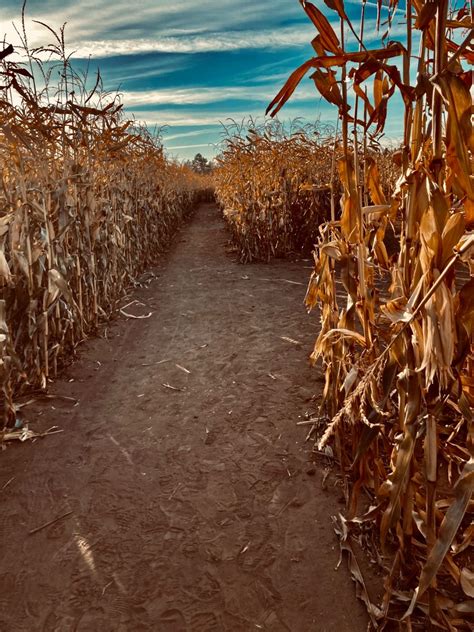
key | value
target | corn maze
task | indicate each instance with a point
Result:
(89, 200)
(272, 186)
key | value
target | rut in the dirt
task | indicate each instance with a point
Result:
(187, 479)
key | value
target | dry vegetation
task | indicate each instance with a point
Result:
(276, 186)
(88, 199)
(396, 340)
(273, 187)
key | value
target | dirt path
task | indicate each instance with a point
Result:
(192, 509)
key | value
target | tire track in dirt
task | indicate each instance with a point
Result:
(191, 509)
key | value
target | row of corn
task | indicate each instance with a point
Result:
(394, 285)
(87, 201)
(275, 185)
(273, 188)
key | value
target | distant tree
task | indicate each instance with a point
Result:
(200, 164)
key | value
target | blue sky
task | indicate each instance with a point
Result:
(189, 65)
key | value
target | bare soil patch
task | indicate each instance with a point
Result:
(185, 498)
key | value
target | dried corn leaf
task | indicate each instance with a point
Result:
(447, 532)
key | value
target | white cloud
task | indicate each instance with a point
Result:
(184, 96)
(174, 118)
(172, 147)
(280, 38)
(108, 29)
(206, 95)
(208, 42)
(203, 130)
(116, 26)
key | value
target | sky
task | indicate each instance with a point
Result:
(192, 66)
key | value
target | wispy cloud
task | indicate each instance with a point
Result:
(172, 147)
(217, 41)
(198, 132)
(108, 22)
(173, 118)
(283, 38)
(98, 31)
(200, 95)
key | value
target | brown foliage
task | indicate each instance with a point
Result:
(398, 356)
(274, 188)
(88, 199)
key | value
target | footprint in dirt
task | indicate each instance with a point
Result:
(204, 622)
(172, 621)
(289, 494)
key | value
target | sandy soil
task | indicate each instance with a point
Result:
(183, 510)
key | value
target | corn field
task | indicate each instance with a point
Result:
(273, 188)
(276, 186)
(394, 284)
(88, 200)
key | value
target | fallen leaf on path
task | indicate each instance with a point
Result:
(25, 434)
(8, 483)
(294, 342)
(155, 363)
(22, 405)
(50, 522)
(174, 491)
(135, 302)
(127, 315)
(173, 388)
(342, 530)
(182, 368)
(292, 282)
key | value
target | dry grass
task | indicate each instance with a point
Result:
(88, 200)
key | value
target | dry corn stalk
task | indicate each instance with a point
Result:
(396, 339)
(88, 200)
(276, 186)
(273, 187)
